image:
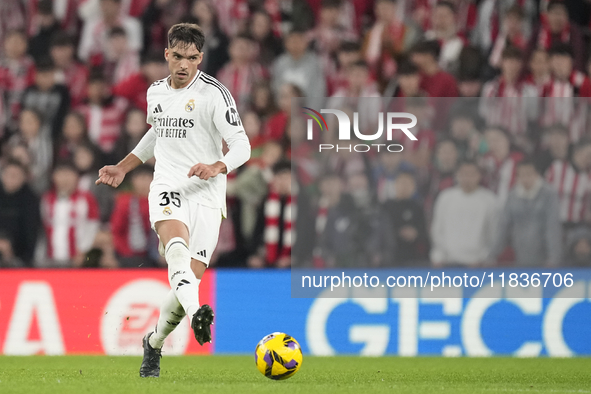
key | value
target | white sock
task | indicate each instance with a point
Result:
(171, 314)
(182, 279)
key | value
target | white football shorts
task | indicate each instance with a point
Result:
(203, 222)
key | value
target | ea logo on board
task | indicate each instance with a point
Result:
(232, 117)
(131, 313)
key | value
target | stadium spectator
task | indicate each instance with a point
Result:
(489, 21)
(465, 134)
(69, 71)
(17, 72)
(572, 181)
(119, 62)
(268, 45)
(215, 49)
(288, 15)
(263, 100)
(254, 131)
(434, 81)
(157, 17)
(250, 187)
(330, 32)
(7, 257)
(539, 70)
(275, 128)
(19, 214)
(272, 235)
(418, 152)
(36, 140)
(555, 28)
(70, 218)
(406, 220)
(13, 16)
(242, 71)
(578, 247)
(387, 39)
(349, 52)
(133, 89)
(45, 25)
(530, 221)
(555, 149)
(94, 38)
(50, 99)
(86, 163)
(73, 134)
(300, 67)
(406, 84)
(511, 34)
(500, 163)
(507, 100)
(134, 129)
(353, 228)
(464, 221)
(445, 31)
(103, 113)
(130, 221)
(441, 173)
(566, 83)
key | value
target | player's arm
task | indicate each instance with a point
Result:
(114, 175)
(234, 135)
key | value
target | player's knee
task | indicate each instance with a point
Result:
(198, 268)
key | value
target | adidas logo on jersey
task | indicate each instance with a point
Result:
(202, 253)
(158, 109)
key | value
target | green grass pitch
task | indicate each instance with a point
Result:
(238, 375)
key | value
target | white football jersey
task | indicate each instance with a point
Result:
(189, 125)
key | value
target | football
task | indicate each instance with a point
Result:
(278, 356)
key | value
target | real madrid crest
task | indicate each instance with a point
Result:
(167, 211)
(190, 106)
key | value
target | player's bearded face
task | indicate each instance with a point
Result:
(183, 61)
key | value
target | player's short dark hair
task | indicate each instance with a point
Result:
(281, 166)
(61, 39)
(430, 47)
(406, 67)
(185, 35)
(350, 46)
(296, 30)
(561, 49)
(447, 4)
(512, 52)
(117, 31)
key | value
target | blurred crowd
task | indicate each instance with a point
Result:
(504, 179)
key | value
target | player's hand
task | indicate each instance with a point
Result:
(110, 175)
(206, 171)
